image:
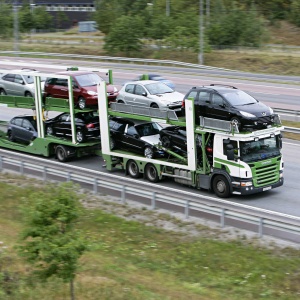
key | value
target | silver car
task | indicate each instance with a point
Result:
(150, 93)
(18, 84)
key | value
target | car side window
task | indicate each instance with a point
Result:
(19, 79)
(62, 82)
(64, 117)
(131, 130)
(192, 94)
(26, 124)
(129, 88)
(139, 90)
(18, 122)
(118, 126)
(217, 99)
(204, 96)
(9, 77)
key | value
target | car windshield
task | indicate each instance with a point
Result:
(158, 88)
(29, 79)
(148, 129)
(261, 149)
(88, 79)
(237, 97)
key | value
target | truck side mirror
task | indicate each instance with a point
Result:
(230, 152)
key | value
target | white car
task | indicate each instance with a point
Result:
(15, 84)
(150, 93)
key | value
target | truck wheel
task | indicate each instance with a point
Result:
(61, 153)
(221, 186)
(112, 143)
(151, 173)
(81, 103)
(166, 142)
(80, 138)
(148, 152)
(133, 169)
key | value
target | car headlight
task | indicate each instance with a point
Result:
(115, 89)
(247, 115)
(271, 111)
(92, 93)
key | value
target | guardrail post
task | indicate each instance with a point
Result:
(22, 168)
(223, 218)
(123, 198)
(153, 203)
(69, 177)
(95, 187)
(260, 227)
(1, 163)
(45, 173)
(187, 208)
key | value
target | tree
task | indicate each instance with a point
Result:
(125, 35)
(50, 240)
(6, 20)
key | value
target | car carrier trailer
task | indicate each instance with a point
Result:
(240, 163)
(46, 145)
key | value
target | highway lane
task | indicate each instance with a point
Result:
(275, 90)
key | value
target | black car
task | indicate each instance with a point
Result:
(173, 137)
(22, 129)
(87, 126)
(138, 136)
(230, 104)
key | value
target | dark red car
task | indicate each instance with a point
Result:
(84, 88)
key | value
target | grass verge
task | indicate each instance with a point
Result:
(136, 260)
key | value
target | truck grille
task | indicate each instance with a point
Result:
(264, 175)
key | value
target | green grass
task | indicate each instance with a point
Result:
(129, 260)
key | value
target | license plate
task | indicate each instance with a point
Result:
(267, 188)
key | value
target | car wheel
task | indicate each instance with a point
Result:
(61, 153)
(166, 142)
(121, 101)
(133, 169)
(112, 143)
(81, 103)
(148, 152)
(28, 94)
(221, 186)
(151, 173)
(236, 121)
(2, 92)
(80, 138)
(10, 136)
(49, 130)
(154, 105)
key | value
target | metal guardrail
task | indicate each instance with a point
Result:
(200, 206)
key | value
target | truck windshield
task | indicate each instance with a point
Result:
(261, 149)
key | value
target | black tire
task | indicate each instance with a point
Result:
(80, 137)
(28, 94)
(236, 121)
(151, 173)
(148, 152)
(81, 103)
(10, 136)
(2, 92)
(221, 186)
(61, 153)
(166, 142)
(49, 130)
(154, 105)
(121, 101)
(133, 169)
